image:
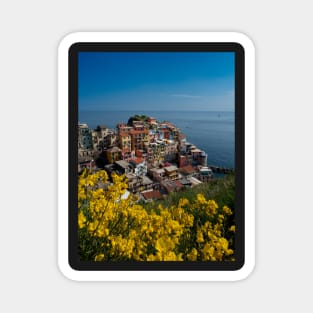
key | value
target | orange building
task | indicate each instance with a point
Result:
(138, 138)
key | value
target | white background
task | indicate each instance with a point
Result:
(30, 33)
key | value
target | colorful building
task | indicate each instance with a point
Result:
(138, 138)
(84, 137)
(171, 172)
(113, 154)
(124, 139)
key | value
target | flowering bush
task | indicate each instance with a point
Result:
(112, 228)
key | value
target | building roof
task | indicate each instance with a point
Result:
(168, 185)
(152, 194)
(81, 125)
(188, 169)
(146, 180)
(131, 176)
(123, 164)
(170, 168)
(122, 125)
(137, 160)
(184, 181)
(169, 124)
(157, 170)
(194, 181)
(114, 149)
(135, 132)
(171, 186)
(138, 122)
(205, 169)
(178, 183)
(109, 167)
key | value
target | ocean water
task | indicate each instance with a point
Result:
(213, 132)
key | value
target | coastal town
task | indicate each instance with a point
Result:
(155, 156)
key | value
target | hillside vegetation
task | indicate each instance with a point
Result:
(137, 117)
(222, 190)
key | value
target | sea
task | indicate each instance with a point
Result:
(211, 131)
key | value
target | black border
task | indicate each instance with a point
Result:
(73, 257)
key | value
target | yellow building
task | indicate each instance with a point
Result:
(113, 154)
(125, 141)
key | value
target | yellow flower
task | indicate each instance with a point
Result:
(232, 228)
(227, 210)
(192, 256)
(171, 256)
(182, 202)
(92, 226)
(102, 231)
(211, 208)
(201, 198)
(208, 252)
(126, 230)
(152, 257)
(99, 257)
(81, 219)
(164, 244)
(199, 236)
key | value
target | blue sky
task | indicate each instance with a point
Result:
(195, 81)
